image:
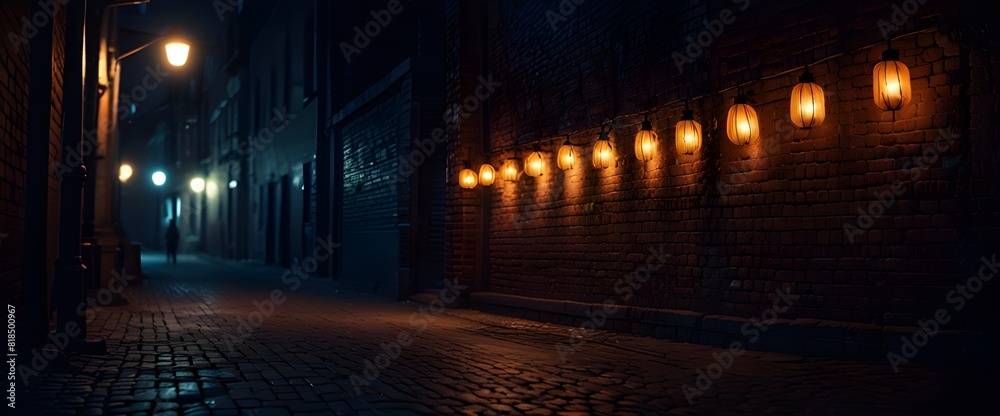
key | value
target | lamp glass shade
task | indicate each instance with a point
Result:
(645, 142)
(742, 125)
(688, 136)
(891, 84)
(487, 175)
(604, 152)
(534, 164)
(808, 105)
(177, 53)
(467, 179)
(566, 158)
(510, 170)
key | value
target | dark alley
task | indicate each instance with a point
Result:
(500, 207)
(187, 343)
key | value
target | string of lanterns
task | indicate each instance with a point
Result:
(807, 108)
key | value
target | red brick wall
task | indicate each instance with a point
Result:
(463, 212)
(739, 222)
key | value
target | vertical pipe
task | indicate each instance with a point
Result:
(68, 282)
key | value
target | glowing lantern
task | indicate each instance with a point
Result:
(742, 126)
(510, 170)
(566, 158)
(688, 133)
(534, 163)
(645, 141)
(487, 175)
(467, 178)
(604, 151)
(891, 82)
(808, 104)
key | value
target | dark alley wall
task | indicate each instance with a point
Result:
(31, 137)
(738, 222)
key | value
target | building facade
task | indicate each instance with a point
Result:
(868, 219)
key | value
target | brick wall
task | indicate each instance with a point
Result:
(739, 222)
(13, 150)
(463, 211)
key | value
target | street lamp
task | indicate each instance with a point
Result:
(176, 50)
(124, 172)
(198, 185)
(159, 178)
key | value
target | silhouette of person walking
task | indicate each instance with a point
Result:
(173, 238)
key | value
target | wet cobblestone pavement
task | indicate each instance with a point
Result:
(188, 344)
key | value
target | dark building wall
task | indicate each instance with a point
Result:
(388, 209)
(14, 96)
(16, 236)
(738, 222)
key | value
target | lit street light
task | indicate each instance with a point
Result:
(159, 178)
(197, 185)
(124, 172)
(177, 53)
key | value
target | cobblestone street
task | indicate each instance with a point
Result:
(169, 353)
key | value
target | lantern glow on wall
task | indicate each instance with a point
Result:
(808, 103)
(604, 151)
(688, 133)
(646, 141)
(566, 158)
(891, 82)
(510, 170)
(742, 125)
(534, 163)
(807, 109)
(487, 175)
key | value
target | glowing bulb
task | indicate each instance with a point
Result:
(159, 178)
(197, 185)
(177, 53)
(124, 172)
